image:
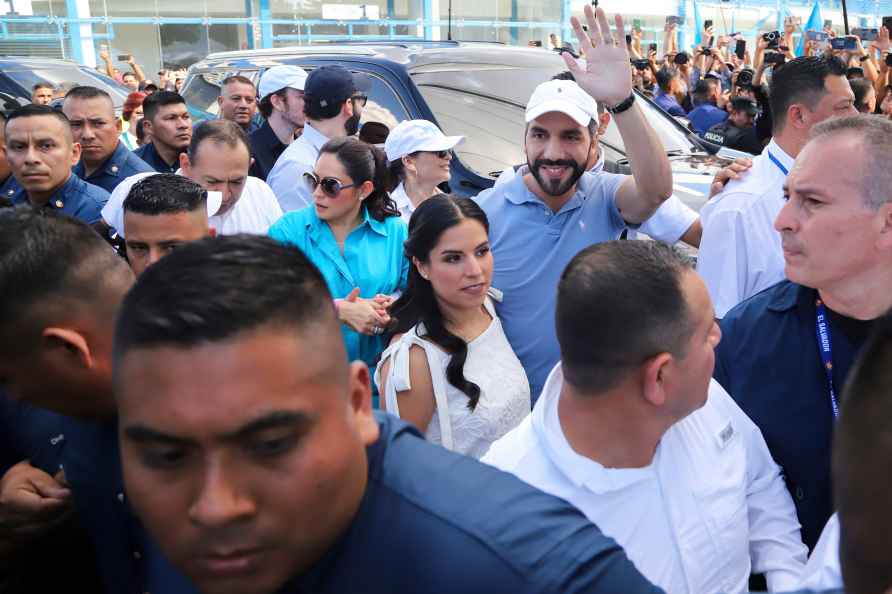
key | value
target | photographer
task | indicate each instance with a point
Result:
(131, 79)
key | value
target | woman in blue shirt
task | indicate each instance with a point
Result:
(354, 234)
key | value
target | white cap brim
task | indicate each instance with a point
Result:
(559, 106)
(445, 143)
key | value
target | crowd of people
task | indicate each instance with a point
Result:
(276, 358)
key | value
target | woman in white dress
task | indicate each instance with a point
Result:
(419, 157)
(449, 369)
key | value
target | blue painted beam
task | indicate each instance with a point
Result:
(514, 18)
(77, 53)
(249, 29)
(266, 27)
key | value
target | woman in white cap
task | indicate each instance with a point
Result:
(419, 155)
(449, 369)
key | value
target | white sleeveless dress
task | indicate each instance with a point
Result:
(491, 364)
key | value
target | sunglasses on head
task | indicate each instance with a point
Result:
(361, 99)
(331, 186)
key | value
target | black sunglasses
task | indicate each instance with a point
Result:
(361, 99)
(440, 154)
(331, 186)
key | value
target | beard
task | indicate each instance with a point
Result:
(352, 125)
(557, 187)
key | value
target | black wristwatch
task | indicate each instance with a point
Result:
(621, 107)
(864, 58)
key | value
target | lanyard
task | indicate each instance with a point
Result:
(822, 328)
(778, 163)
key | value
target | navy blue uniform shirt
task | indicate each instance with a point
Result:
(75, 198)
(119, 166)
(9, 187)
(432, 521)
(152, 157)
(266, 148)
(768, 360)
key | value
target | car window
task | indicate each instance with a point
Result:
(493, 129)
(56, 76)
(384, 105)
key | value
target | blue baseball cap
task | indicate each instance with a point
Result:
(333, 84)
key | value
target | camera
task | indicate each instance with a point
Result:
(843, 43)
(775, 58)
(866, 34)
(681, 58)
(745, 78)
(773, 39)
(889, 60)
(816, 35)
(641, 64)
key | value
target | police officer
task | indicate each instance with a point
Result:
(8, 185)
(737, 132)
(105, 161)
(41, 151)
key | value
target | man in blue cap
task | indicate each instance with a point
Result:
(333, 101)
(105, 161)
(41, 151)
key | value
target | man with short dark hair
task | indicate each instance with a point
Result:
(238, 101)
(41, 151)
(42, 93)
(836, 231)
(168, 122)
(738, 131)
(331, 112)
(105, 161)
(222, 478)
(707, 110)
(162, 212)
(540, 220)
(218, 160)
(282, 106)
(740, 254)
(669, 88)
(631, 429)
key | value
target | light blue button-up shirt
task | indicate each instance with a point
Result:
(531, 246)
(373, 260)
(286, 178)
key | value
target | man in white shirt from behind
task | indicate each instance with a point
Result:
(740, 253)
(632, 430)
(218, 160)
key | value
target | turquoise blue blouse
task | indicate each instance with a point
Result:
(373, 260)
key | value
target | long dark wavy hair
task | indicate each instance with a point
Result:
(363, 163)
(418, 303)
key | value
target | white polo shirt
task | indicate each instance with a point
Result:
(710, 509)
(740, 253)
(667, 224)
(823, 571)
(286, 178)
(255, 211)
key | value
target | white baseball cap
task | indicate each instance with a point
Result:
(280, 77)
(113, 211)
(411, 136)
(563, 96)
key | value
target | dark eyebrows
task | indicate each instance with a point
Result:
(459, 252)
(273, 420)
(538, 130)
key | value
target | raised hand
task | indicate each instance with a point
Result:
(607, 76)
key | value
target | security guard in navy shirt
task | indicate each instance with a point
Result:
(41, 151)
(738, 131)
(8, 185)
(786, 352)
(105, 161)
(167, 120)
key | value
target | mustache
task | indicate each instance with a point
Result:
(556, 163)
